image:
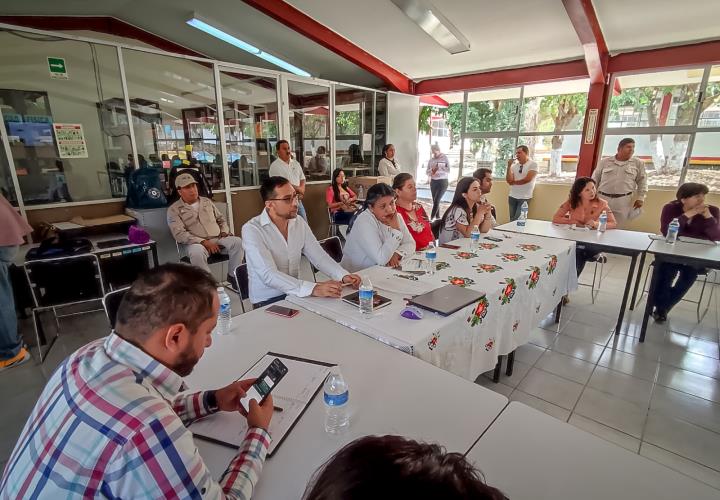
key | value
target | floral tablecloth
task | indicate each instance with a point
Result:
(523, 278)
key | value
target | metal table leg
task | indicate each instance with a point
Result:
(498, 368)
(626, 294)
(638, 278)
(650, 303)
(510, 363)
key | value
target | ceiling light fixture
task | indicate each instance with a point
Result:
(203, 26)
(432, 22)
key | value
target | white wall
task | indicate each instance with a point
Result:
(403, 113)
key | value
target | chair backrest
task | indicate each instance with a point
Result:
(241, 276)
(111, 303)
(435, 227)
(333, 247)
(65, 280)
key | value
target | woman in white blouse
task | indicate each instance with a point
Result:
(378, 236)
(388, 166)
(465, 211)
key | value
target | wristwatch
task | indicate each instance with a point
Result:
(212, 401)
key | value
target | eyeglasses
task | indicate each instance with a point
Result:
(287, 199)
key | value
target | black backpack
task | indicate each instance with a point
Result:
(145, 189)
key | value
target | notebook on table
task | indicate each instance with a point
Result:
(446, 300)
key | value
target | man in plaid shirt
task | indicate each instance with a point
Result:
(112, 421)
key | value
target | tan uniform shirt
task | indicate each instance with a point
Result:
(613, 176)
(189, 225)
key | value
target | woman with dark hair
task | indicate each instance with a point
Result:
(465, 211)
(393, 467)
(340, 198)
(388, 166)
(412, 212)
(583, 209)
(379, 236)
(697, 220)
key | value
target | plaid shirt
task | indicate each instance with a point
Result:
(111, 423)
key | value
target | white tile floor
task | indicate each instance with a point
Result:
(660, 399)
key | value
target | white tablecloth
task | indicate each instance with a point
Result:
(523, 277)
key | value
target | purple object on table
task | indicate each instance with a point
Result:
(411, 312)
(138, 235)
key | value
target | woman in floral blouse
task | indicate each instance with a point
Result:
(412, 212)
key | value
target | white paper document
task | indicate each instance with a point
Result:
(293, 394)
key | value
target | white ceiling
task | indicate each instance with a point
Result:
(634, 24)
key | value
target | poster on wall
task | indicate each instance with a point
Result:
(70, 140)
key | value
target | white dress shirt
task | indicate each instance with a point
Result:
(523, 191)
(274, 264)
(372, 243)
(386, 168)
(291, 171)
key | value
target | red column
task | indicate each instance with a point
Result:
(590, 146)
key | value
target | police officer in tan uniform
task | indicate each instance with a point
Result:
(622, 182)
(197, 224)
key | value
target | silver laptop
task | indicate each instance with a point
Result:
(446, 300)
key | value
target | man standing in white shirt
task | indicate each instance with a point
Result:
(275, 242)
(621, 178)
(520, 175)
(286, 166)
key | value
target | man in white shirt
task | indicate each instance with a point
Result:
(485, 177)
(621, 178)
(275, 242)
(286, 166)
(520, 175)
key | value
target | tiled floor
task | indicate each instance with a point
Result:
(660, 399)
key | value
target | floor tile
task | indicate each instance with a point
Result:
(551, 388)
(621, 385)
(528, 353)
(636, 366)
(689, 382)
(684, 406)
(577, 348)
(565, 366)
(520, 369)
(708, 329)
(22, 379)
(614, 412)
(631, 345)
(541, 337)
(587, 316)
(683, 465)
(693, 344)
(607, 433)
(597, 334)
(499, 387)
(683, 438)
(680, 358)
(540, 404)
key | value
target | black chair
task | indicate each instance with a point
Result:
(435, 228)
(241, 278)
(333, 248)
(111, 303)
(61, 282)
(215, 258)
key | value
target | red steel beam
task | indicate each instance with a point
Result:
(667, 57)
(297, 20)
(586, 24)
(101, 24)
(503, 78)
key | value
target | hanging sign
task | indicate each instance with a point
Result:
(57, 67)
(591, 126)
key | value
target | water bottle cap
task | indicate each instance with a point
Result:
(221, 289)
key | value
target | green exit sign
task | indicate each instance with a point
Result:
(57, 67)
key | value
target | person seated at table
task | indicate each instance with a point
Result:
(412, 212)
(340, 198)
(318, 165)
(465, 211)
(275, 242)
(485, 177)
(583, 208)
(378, 235)
(388, 165)
(198, 226)
(393, 467)
(112, 420)
(697, 220)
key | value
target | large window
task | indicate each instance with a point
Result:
(310, 127)
(674, 117)
(68, 134)
(353, 130)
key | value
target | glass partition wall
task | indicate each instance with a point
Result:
(79, 116)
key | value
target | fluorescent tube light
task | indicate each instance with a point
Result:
(236, 42)
(431, 21)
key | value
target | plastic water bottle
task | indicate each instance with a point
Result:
(672, 232)
(361, 192)
(366, 296)
(337, 394)
(523, 215)
(602, 223)
(475, 238)
(430, 257)
(224, 320)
